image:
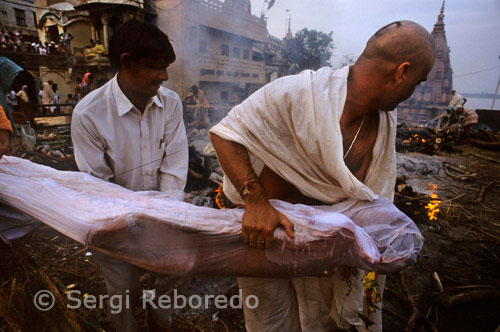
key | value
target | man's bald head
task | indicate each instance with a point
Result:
(399, 42)
(396, 59)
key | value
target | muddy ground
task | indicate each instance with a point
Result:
(462, 246)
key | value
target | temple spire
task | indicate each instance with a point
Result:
(440, 21)
(289, 30)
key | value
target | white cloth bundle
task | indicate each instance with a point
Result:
(154, 232)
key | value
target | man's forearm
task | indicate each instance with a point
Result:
(260, 218)
(234, 160)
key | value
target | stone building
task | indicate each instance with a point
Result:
(431, 97)
(276, 64)
(220, 47)
(85, 20)
(20, 16)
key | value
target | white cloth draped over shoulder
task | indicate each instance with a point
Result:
(292, 126)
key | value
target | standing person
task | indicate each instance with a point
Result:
(47, 94)
(319, 137)
(457, 100)
(68, 108)
(471, 118)
(86, 84)
(66, 38)
(130, 131)
(43, 49)
(78, 90)
(201, 118)
(23, 94)
(55, 99)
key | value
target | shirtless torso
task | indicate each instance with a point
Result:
(358, 161)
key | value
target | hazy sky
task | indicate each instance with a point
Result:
(472, 29)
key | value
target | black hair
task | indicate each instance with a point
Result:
(139, 39)
(194, 88)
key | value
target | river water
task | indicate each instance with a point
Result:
(482, 103)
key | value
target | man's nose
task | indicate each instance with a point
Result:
(163, 75)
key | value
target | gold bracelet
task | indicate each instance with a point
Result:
(247, 185)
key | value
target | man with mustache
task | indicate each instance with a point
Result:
(131, 132)
(319, 137)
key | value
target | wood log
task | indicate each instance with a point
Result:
(486, 145)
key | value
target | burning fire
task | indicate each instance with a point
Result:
(433, 206)
(221, 202)
(218, 198)
(411, 138)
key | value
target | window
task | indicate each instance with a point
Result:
(20, 17)
(255, 75)
(192, 38)
(224, 50)
(203, 46)
(439, 74)
(235, 74)
(236, 52)
(223, 95)
(246, 54)
(229, 73)
(245, 74)
(4, 16)
(35, 23)
(204, 72)
(439, 53)
(257, 56)
(220, 72)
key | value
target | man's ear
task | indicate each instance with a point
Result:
(125, 60)
(402, 73)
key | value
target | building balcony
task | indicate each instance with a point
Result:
(34, 61)
(228, 63)
(233, 77)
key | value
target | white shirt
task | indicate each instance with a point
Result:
(115, 142)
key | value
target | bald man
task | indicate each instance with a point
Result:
(348, 111)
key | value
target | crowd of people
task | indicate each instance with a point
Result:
(49, 95)
(16, 42)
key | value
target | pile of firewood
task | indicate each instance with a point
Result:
(431, 140)
(423, 140)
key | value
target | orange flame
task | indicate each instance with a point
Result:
(218, 198)
(433, 206)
